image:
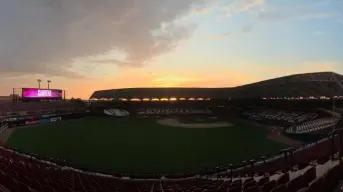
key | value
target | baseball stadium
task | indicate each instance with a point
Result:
(277, 135)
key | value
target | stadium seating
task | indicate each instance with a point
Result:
(279, 117)
(311, 170)
(294, 122)
(3, 109)
(15, 108)
(313, 126)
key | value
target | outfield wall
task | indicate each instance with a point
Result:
(53, 117)
(120, 112)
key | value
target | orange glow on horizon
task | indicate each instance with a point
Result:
(227, 76)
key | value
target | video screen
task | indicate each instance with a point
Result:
(34, 93)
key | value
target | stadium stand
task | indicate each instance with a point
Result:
(297, 122)
(313, 126)
(280, 117)
(3, 109)
(311, 170)
(13, 108)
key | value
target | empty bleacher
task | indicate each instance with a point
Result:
(310, 169)
(278, 117)
(313, 126)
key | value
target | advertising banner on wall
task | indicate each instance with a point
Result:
(34, 120)
(55, 119)
(31, 122)
(12, 119)
(44, 121)
(48, 115)
(173, 111)
(22, 113)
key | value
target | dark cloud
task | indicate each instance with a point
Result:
(44, 36)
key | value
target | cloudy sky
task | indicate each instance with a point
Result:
(87, 45)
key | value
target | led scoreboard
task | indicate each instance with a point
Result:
(34, 93)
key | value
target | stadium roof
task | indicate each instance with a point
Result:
(299, 85)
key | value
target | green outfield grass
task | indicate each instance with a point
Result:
(142, 146)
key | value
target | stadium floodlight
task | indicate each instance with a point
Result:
(48, 81)
(39, 81)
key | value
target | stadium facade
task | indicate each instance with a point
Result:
(309, 85)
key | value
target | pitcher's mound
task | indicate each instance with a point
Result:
(177, 123)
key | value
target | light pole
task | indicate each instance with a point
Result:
(252, 162)
(217, 172)
(39, 81)
(49, 84)
(291, 154)
(332, 135)
(285, 153)
(340, 142)
(231, 173)
(264, 160)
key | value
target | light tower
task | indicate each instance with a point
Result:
(49, 84)
(39, 81)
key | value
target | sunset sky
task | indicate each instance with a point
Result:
(88, 45)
